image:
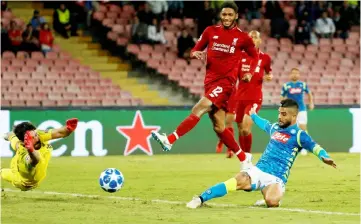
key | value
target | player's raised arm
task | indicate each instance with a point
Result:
(7, 136)
(263, 124)
(14, 141)
(306, 142)
(66, 130)
(250, 49)
(202, 43)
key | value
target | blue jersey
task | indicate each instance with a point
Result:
(295, 91)
(283, 148)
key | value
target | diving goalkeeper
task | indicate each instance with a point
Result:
(32, 153)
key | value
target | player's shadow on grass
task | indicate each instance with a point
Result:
(25, 198)
(54, 199)
(209, 206)
(59, 199)
(44, 199)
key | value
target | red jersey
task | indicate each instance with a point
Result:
(14, 34)
(224, 47)
(253, 90)
(46, 37)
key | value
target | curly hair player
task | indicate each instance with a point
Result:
(32, 153)
(224, 45)
(272, 170)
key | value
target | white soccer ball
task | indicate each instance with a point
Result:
(111, 180)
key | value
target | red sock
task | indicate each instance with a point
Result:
(187, 124)
(247, 142)
(241, 141)
(232, 131)
(228, 139)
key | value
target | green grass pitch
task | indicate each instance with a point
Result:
(315, 193)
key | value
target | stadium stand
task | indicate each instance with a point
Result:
(60, 79)
(56, 79)
(331, 64)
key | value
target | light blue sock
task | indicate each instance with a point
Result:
(218, 190)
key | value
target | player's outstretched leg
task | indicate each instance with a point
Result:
(7, 174)
(245, 134)
(201, 108)
(241, 182)
(218, 119)
(229, 125)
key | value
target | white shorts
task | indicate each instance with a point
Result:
(302, 117)
(260, 179)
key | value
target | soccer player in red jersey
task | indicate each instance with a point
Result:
(224, 46)
(249, 92)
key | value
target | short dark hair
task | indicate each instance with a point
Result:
(22, 128)
(231, 5)
(289, 103)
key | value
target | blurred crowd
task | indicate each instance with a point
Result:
(315, 19)
(36, 35)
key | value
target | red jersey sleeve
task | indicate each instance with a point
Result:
(203, 40)
(249, 47)
(267, 67)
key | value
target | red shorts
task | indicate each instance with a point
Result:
(232, 103)
(242, 107)
(219, 92)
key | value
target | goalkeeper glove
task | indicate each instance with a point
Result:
(29, 142)
(71, 124)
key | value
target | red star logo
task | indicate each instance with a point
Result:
(138, 135)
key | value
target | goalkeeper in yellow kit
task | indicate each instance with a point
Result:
(32, 153)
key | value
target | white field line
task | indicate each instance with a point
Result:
(183, 203)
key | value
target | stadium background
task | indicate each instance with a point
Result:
(121, 86)
(111, 68)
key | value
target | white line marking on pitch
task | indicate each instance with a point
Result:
(183, 203)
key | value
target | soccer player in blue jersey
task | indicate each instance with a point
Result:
(272, 170)
(295, 90)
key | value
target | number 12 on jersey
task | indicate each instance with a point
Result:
(216, 91)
